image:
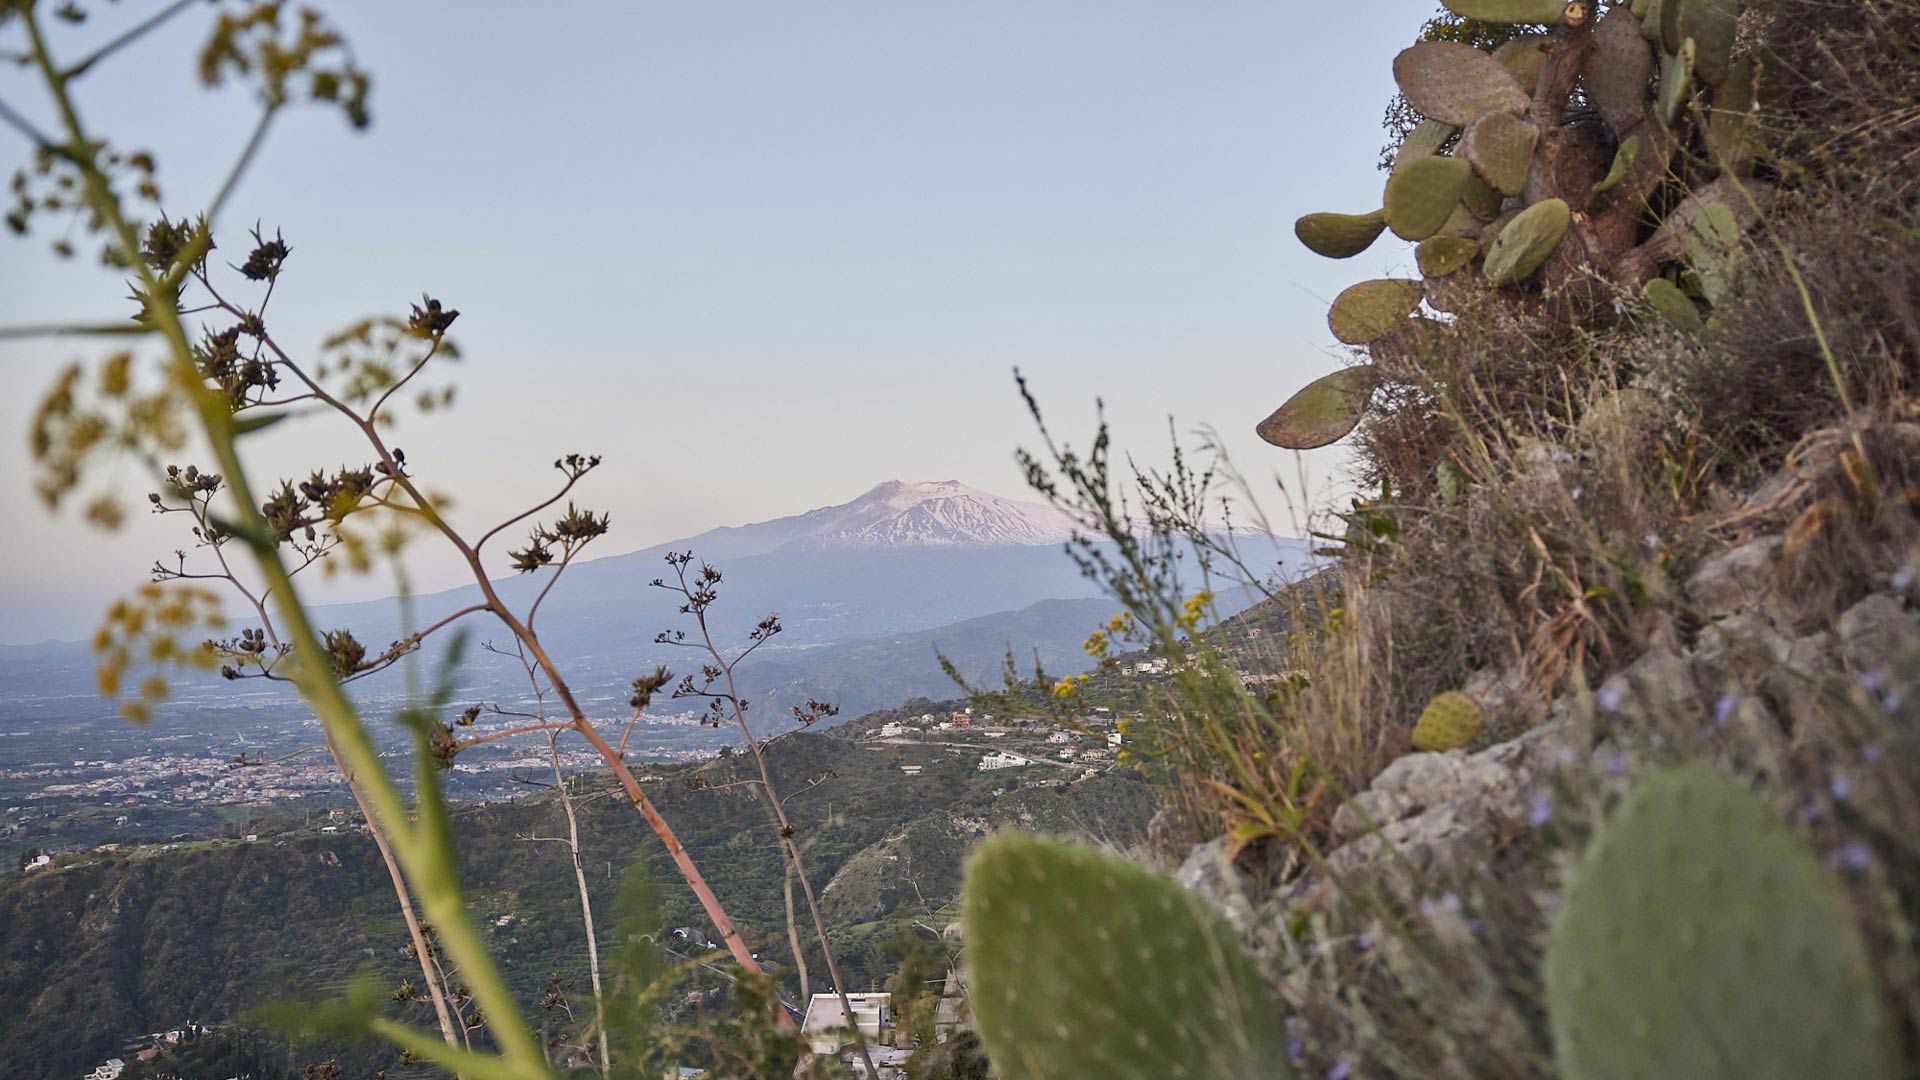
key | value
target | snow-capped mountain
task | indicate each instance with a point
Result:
(894, 516)
(941, 513)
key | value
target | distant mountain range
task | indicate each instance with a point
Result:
(892, 516)
(868, 592)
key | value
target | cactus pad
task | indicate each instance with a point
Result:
(1666, 299)
(1507, 11)
(1623, 160)
(1676, 81)
(1322, 412)
(1700, 938)
(1456, 83)
(1088, 965)
(1711, 24)
(1499, 146)
(1421, 196)
(1425, 140)
(1527, 241)
(1449, 722)
(1340, 236)
(1523, 57)
(1373, 309)
(1443, 255)
(1617, 68)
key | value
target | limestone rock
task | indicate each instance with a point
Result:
(1209, 873)
(1735, 579)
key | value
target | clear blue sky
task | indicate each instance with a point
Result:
(760, 255)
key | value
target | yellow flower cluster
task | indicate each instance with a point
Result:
(1194, 610)
(1070, 686)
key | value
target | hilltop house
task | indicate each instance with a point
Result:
(826, 1027)
(1000, 759)
(109, 1070)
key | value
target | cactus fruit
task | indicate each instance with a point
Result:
(1449, 722)
(1322, 412)
(1455, 83)
(1088, 965)
(1421, 196)
(1499, 146)
(1700, 938)
(1340, 236)
(1373, 309)
(1507, 11)
(1443, 255)
(1525, 243)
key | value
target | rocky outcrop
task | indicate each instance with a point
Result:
(1757, 656)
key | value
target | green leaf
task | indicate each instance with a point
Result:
(1373, 309)
(252, 422)
(1323, 412)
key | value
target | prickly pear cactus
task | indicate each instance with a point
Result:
(1555, 203)
(1449, 722)
(1700, 938)
(1086, 965)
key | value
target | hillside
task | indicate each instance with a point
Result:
(113, 944)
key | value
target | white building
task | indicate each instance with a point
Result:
(110, 1070)
(1001, 760)
(826, 1025)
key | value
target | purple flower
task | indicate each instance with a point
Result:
(1652, 540)
(1840, 788)
(1610, 697)
(1296, 1048)
(1541, 810)
(1892, 701)
(1873, 681)
(1617, 765)
(1723, 710)
(1852, 855)
(1902, 579)
(1340, 1071)
(1870, 753)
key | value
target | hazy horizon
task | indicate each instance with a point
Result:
(760, 258)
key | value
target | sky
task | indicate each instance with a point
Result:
(760, 256)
